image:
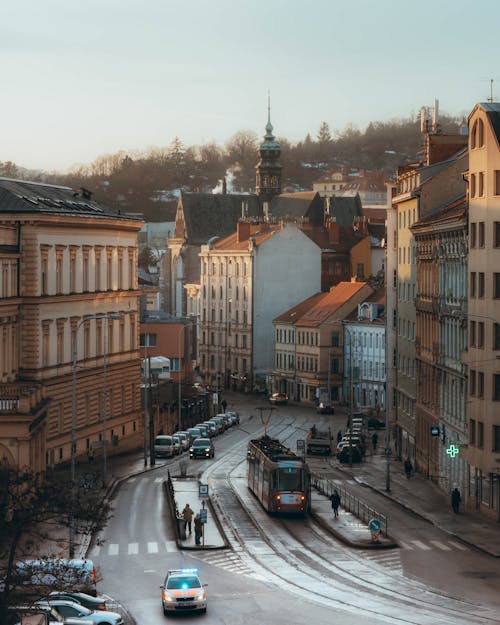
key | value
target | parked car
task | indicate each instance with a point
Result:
(325, 408)
(234, 416)
(376, 424)
(70, 609)
(350, 453)
(164, 446)
(279, 399)
(88, 601)
(204, 429)
(177, 444)
(202, 448)
(220, 420)
(212, 428)
(194, 433)
(185, 440)
(218, 424)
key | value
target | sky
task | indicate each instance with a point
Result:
(84, 78)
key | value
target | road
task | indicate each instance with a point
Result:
(290, 571)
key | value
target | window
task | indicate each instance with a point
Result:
(472, 185)
(496, 387)
(361, 270)
(480, 334)
(335, 339)
(480, 284)
(472, 431)
(473, 235)
(481, 233)
(480, 434)
(496, 182)
(472, 334)
(496, 234)
(394, 278)
(480, 384)
(496, 285)
(496, 438)
(480, 190)
(148, 340)
(473, 284)
(472, 382)
(496, 336)
(59, 274)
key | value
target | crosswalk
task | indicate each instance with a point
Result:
(170, 546)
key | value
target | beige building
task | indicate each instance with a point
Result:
(483, 353)
(69, 296)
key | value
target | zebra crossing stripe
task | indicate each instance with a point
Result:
(158, 480)
(406, 546)
(96, 550)
(170, 546)
(458, 545)
(153, 547)
(440, 545)
(133, 549)
(114, 549)
(421, 545)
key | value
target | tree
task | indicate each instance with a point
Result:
(32, 508)
(8, 169)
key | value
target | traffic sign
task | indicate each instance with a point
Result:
(203, 515)
(203, 491)
(301, 443)
(375, 526)
(434, 430)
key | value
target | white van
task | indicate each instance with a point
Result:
(164, 446)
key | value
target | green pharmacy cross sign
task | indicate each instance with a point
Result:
(453, 451)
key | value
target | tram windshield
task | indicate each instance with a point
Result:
(290, 478)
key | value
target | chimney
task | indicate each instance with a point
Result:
(224, 186)
(243, 232)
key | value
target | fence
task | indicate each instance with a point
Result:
(350, 502)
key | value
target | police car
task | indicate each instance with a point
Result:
(183, 591)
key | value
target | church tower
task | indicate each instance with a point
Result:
(268, 169)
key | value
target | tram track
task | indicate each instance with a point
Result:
(299, 556)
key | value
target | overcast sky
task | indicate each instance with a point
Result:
(81, 78)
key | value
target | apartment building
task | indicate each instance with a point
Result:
(69, 324)
(483, 353)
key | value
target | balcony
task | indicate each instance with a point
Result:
(20, 398)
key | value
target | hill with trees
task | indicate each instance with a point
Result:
(149, 182)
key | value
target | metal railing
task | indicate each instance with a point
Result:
(349, 502)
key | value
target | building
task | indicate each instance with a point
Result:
(69, 324)
(483, 353)
(312, 330)
(246, 279)
(365, 355)
(441, 338)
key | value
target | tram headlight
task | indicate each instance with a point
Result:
(278, 497)
(302, 497)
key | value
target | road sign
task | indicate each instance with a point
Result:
(375, 526)
(301, 443)
(434, 430)
(203, 491)
(203, 515)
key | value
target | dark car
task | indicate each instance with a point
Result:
(325, 408)
(92, 603)
(202, 448)
(349, 453)
(376, 424)
(279, 399)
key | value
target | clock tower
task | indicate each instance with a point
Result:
(268, 169)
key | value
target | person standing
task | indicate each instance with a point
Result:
(408, 468)
(187, 515)
(198, 529)
(335, 499)
(375, 441)
(90, 455)
(455, 500)
(339, 436)
(224, 405)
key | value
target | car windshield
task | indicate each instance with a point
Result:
(201, 442)
(164, 440)
(185, 581)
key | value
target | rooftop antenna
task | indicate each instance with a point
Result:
(268, 106)
(490, 99)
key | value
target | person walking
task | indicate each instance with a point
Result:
(375, 441)
(335, 499)
(198, 529)
(339, 436)
(455, 500)
(187, 515)
(90, 455)
(408, 468)
(224, 405)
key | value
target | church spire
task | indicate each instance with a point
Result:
(268, 169)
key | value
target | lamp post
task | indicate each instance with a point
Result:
(179, 412)
(73, 415)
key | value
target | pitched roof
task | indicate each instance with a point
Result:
(259, 232)
(206, 215)
(298, 205)
(333, 300)
(493, 113)
(344, 209)
(291, 315)
(22, 196)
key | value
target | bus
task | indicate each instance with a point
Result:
(279, 479)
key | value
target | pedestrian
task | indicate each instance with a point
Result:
(198, 529)
(187, 515)
(339, 436)
(455, 500)
(408, 468)
(224, 405)
(90, 455)
(375, 441)
(335, 499)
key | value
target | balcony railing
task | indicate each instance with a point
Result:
(19, 397)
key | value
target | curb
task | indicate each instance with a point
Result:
(350, 543)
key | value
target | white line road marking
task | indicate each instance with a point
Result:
(439, 545)
(153, 547)
(133, 549)
(96, 550)
(170, 545)
(158, 480)
(406, 546)
(421, 545)
(114, 549)
(458, 545)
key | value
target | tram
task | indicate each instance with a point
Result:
(279, 479)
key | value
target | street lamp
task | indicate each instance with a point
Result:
(73, 414)
(179, 411)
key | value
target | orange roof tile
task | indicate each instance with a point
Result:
(333, 300)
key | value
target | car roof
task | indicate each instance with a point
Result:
(182, 572)
(205, 441)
